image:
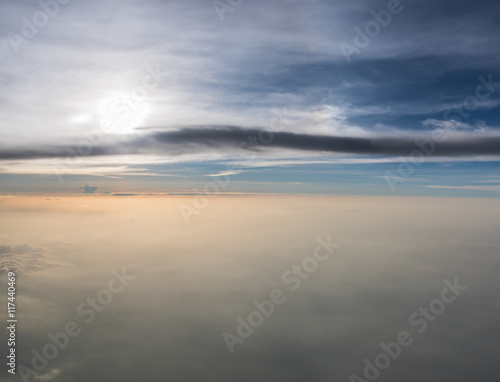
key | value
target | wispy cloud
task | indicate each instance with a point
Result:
(226, 173)
(477, 188)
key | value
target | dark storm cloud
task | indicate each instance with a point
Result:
(229, 139)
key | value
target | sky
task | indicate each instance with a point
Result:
(286, 96)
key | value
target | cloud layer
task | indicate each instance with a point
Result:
(22, 257)
(230, 139)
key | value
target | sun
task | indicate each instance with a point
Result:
(125, 113)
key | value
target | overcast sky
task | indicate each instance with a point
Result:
(160, 95)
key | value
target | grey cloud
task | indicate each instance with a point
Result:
(230, 138)
(89, 189)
